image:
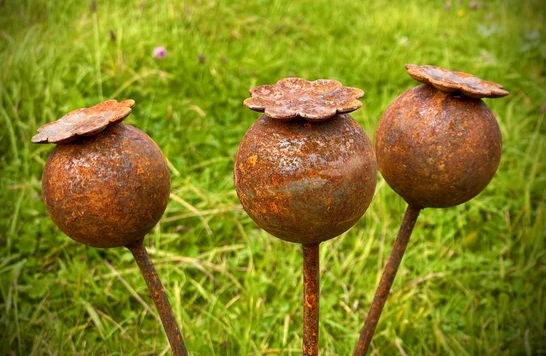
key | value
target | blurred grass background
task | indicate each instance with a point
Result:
(473, 279)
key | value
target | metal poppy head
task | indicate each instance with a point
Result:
(460, 83)
(293, 98)
(84, 122)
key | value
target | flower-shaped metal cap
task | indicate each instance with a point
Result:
(455, 82)
(84, 122)
(316, 100)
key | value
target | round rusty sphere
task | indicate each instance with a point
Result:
(305, 182)
(436, 149)
(107, 190)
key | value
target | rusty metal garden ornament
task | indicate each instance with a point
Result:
(107, 184)
(437, 145)
(305, 172)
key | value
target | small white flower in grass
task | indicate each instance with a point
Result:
(160, 52)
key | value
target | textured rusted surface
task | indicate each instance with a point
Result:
(455, 82)
(293, 98)
(435, 149)
(311, 300)
(159, 297)
(385, 284)
(107, 190)
(303, 181)
(84, 122)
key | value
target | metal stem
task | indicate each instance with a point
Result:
(385, 284)
(159, 297)
(311, 296)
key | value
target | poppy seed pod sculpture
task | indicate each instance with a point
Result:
(107, 184)
(305, 172)
(437, 145)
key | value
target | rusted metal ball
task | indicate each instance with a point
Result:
(107, 190)
(436, 149)
(305, 182)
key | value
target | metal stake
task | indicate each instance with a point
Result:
(311, 296)
(159, 297)
(385, 284)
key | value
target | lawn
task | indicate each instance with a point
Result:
(473, 281)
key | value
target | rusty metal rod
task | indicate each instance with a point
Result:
(385, 284)
(159, 297)
(311, 296)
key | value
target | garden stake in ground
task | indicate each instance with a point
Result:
(107, 184)
(437, 145)
(305, 172)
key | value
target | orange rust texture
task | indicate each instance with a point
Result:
(302, 181)
(84, 122)
(387, 279)
(455, 82)
(311, 299)
(292, 98)
(157, 291)
(435, 149)
(107, 190)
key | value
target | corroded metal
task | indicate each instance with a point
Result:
(437, 148)
(455, 82)
(305, 172)
(109, 189)
(84, 122)
(291, 98)
(311, 299)
(387, 278)
(437, 145)
(159, 297)
(106, 184)
(302, 181)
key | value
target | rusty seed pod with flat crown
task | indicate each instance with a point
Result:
(305, 171)
(438, 144)
(106, 184)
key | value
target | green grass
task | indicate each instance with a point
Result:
(472, 281)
